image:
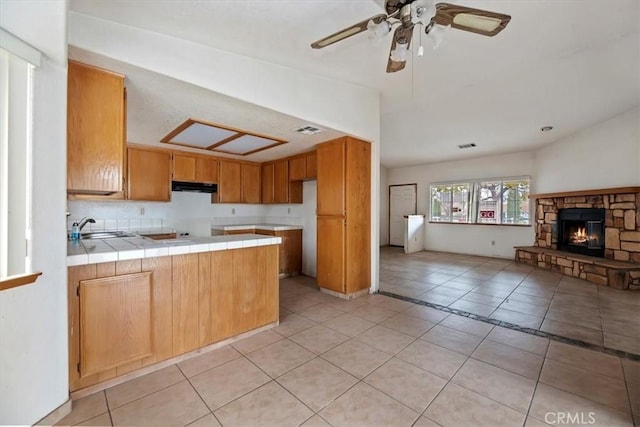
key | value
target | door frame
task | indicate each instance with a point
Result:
(415, 207)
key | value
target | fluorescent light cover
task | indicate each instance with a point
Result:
(246, 144)
(200, 135)
(477, 22)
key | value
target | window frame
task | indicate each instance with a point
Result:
(473, 201)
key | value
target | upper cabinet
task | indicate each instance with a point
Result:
(303, 167)
(194, 168)
(250, 177)
(276, 186)
(149, 174)
(230, 182)
(96, 129)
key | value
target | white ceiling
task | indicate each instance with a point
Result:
(565, 63)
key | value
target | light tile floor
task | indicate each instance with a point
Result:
(376, 361)
(516, 293)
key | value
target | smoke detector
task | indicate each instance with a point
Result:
(309, 130)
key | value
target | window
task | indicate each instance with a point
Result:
(17, 61)
(504, 201)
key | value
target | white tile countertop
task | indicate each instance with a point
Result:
(94, 251)
(270, 227)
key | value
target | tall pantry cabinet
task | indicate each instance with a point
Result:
(344, 216)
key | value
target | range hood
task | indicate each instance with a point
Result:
(196, 187)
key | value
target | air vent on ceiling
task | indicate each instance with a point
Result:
(462, 146)
(309, 130)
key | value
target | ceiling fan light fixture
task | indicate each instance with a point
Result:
(486, 24)
(400, 53)
(422, 11)
(436, 34)
(378, 30)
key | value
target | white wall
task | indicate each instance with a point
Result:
(309, 233)
(605, 155)
(468, 239)
(384, 206)
(33, 330)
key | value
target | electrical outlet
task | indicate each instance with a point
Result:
(289, 211)
(493, 243)
(233, 211)
(141, 211)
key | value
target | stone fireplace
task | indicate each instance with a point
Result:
(593, 235)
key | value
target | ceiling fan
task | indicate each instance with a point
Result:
(407, 14)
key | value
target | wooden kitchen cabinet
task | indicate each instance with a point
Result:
(184, 279)
(115, 321)
(194, 168)
(206, 169)
(344, 215)
(281, 181)
(127, 315)
(250, 177)
(276, 187)
(96, 131)
(311, 162)
(289, 251)
(149, 174)
(230, 182)
(267, 183)
(303, 167)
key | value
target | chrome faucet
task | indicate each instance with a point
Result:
(84, 222)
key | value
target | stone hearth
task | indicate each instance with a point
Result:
(620, 266)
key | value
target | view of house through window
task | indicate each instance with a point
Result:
(504, 201)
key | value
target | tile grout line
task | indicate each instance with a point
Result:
(198, 393)
(531, 331)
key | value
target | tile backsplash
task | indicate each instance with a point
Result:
(187, 212)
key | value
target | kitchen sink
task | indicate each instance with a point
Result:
(105, 235)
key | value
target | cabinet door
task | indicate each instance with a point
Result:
(184, 167)
(185, 303)
(206, 169)
(230, 184)
(311, 166)
(95, 130)
(297, 169)
(331, 254)
(290, 251)
(251, 189)
(149, 175)
(281, 181)
(115, 321)
(331, 178)
(267, 183)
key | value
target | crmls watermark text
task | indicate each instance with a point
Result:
(557, 418)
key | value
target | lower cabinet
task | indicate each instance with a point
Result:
(115, 321)
(130, 314)
(290, 250)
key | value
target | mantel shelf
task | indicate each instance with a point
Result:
(598, 192)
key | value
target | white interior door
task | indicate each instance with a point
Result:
(402, 201)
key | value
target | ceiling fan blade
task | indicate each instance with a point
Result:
(400, 34)
(347, 32)
(469, 19)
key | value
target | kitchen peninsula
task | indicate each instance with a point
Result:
(135, 302)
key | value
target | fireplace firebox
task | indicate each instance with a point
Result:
(581, 231)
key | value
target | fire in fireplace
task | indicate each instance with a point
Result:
(581, 231)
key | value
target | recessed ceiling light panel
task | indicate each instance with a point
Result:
(215, 137)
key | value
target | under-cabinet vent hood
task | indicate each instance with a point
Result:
(196, 187)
